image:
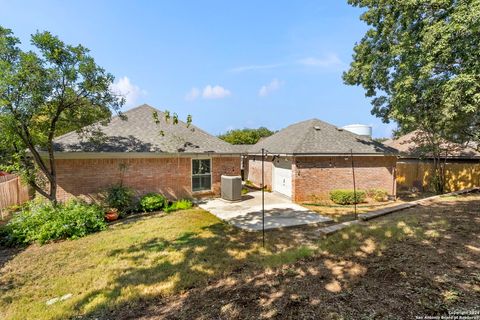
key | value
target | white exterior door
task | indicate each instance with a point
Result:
(282, 177)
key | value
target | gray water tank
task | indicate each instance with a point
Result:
(231, 188)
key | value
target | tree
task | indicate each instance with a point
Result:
(419, 64)
(245, 136)
(52, 90)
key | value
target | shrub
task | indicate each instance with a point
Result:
(344, 197)
(152, 202)
(45, 222)
(120, 197)
(183, 204)
(377, 195)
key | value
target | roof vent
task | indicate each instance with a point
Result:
(340, 129)
(316, 128)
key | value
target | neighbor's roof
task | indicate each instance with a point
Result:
(317, 137)
(140, 133)
(242, 148)
(409, 146)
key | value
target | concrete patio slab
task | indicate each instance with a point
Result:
(280, 212)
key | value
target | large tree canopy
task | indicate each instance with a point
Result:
(245, 136)
(420, 63)
(48, 91)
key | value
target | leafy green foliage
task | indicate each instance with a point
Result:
(120, 197)
(419, 64)
(45, 222)
(245, 136)
(378, 195)
(344, 197)
(183, 204)
(167, 118)
(46, 92)
(419, 61)
(152, 202)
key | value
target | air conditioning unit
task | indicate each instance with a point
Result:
(231, 188)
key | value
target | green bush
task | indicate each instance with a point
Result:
(344, 197)
(44, 222)
(120, 197)
(378, 195)
(152, 202)
(183, 204)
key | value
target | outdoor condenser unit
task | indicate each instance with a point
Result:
(231, 188)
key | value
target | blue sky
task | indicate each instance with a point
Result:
(228, 64)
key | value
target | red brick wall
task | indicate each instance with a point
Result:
(314, 177)
(224, 166)
(168, 176)
(254, 173)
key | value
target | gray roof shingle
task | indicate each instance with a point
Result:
(140, 133)
(317, 137)
(410, 145)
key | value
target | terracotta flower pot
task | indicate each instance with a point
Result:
(111, 215)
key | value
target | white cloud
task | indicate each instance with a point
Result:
(256, 67)
(215, 92)
(193, 94)
(274, 85)
(128, 90)
(331, 60)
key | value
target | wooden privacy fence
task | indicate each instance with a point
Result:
(416, 173)
(12, 192)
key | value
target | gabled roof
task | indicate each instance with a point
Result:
(317, 137)
(409, 145)
(140, 133)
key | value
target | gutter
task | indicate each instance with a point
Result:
(134, 155)
(326, 154)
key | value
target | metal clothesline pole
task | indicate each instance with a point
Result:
(354, 186)
(263, 198)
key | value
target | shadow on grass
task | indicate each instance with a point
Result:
(423, 261)
(162, 266)
(7, 254)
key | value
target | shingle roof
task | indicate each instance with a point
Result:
(318, 137)
(140, 133)
(242, 148)
(409, 146)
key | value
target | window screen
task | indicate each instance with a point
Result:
(201, 174)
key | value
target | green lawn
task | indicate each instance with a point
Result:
(166, 254)
(157, 255)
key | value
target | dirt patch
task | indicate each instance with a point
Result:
(432, 268)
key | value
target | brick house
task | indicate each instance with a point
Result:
(307, 160)
(178, 161)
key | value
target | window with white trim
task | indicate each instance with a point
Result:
(201, 175)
